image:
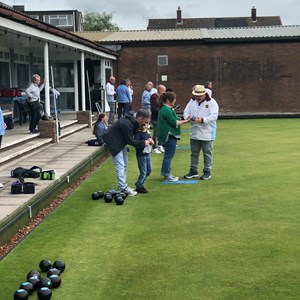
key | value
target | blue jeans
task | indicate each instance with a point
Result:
(121, 162)
(145, 167)
(170, 148)
(112, 106)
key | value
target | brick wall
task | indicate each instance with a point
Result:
(249, 77)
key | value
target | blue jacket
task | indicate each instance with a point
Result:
(100, 129)
(2, 129)
(123, 94)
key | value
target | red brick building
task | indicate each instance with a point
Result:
(253, 70)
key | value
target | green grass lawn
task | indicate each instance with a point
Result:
(236, 236)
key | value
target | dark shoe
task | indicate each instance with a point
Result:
(191, 174)
(141, 190)
(206, 175)
(34, 131)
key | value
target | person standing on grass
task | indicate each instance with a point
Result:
(143, 158)
(154, 115)
(110, 97)
(117, 137)
(203, 112)
(123, 99)
(168, 132)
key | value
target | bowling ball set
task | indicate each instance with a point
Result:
(43, 285)
(109, 196)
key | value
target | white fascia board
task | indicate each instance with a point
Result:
(48, 37)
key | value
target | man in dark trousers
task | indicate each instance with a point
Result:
(117, 137)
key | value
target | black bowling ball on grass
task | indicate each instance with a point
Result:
(44, 293)
(21, 294)
(119, 199)
(97, 195)
(56, 281)
(59, 265)
(35, 282)
(45, 282)
(34, 273)
(53, 271)
(108, 197)
(27, 286)
(45, 265)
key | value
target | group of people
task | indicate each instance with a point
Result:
(122, 95)
(201, 112)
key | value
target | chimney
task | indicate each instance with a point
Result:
(253, 14)
(179, 19)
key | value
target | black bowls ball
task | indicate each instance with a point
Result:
(27, 286)
(59, 265)
(44, 293)
(45, 265)
(45, 282)
(56, 281)
(34, 273)
(108, 197)
(21, 294)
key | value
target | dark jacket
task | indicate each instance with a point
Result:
(121, 134)
(154, 107)
(141, 136)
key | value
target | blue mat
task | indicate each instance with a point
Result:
(183, 147)
(182, 182)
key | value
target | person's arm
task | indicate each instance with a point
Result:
(213, 115)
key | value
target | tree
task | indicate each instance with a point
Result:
(93, 21)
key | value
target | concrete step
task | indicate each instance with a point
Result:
(23, 142)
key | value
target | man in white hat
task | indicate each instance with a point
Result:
(204, 112)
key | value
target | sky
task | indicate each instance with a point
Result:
(134, 14)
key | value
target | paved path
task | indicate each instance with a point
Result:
(61, 157)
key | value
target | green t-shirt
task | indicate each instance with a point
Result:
(167, 124)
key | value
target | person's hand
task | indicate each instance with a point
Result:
(151, 142)
(199, 120)
(5, 126)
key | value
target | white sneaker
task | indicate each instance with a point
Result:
(156, 151)
(161, 148)
(129, 191)
(1, 185)
(170, 178)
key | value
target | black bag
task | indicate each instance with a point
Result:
(16, 187)
(36, 105)
(20, 172)
(28, 188)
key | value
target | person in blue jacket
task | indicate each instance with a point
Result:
(2, 126)
(2, 132)
(123, 99)
(98, 130)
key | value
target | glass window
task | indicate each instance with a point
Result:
(59, 20)
(63, 74)
(4, 75)
(23, 77)
(162, 60)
